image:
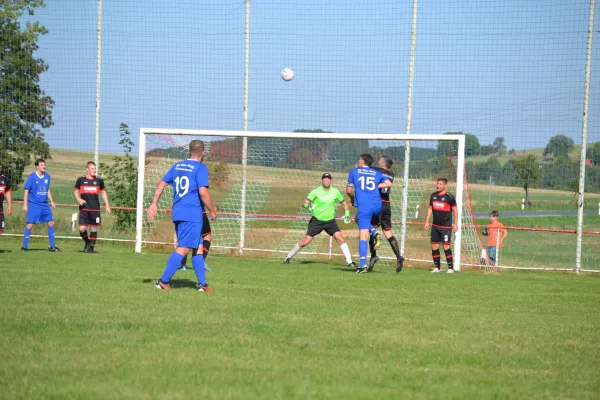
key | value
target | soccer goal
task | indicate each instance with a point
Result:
(260, 179)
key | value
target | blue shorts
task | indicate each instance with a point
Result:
(39, 213)
(189, 234)
(365, 214)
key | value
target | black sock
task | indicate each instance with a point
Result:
(448, 254)
(206, 246)
(395, 248)
(435, 254)
(372, 246)
(93, 237)
(183, 262)
(84, 236)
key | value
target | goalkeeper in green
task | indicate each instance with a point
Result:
(322, 201)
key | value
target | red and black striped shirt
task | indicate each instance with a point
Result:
(89, 189)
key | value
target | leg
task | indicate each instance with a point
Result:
(93, 238)
(26, 236)
(303, 243)
(188, 235)
(339, 237)
(448, 254)
(314, 228)
(436, 239)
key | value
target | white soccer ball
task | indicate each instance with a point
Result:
(287, 74)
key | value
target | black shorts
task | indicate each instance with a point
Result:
(89, 218)
(205, 225)
(315, 227)
(441, 235)
(1, 222)
(384, 218)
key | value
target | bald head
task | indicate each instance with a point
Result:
(196, 149)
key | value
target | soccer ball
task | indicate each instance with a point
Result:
(287, 74)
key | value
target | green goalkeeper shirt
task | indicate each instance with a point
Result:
(325, 202)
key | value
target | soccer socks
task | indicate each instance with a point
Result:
(93, 238)
(363, 246)
(346, 251)
(372, 246)
(172, 266)
(84, 236)
(293, 252)
(51, 236)
(26, 236)
(198, 264)
(206, 248)
(394, 245)
(435, 254)
(373, 232)
(448, 254)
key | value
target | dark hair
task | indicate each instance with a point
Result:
(39, 160)
(90, 163)
(494, 214)
(196, 147)
(443, 180)
(387, 160)
(367, 158)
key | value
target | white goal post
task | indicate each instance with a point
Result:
(156, 155)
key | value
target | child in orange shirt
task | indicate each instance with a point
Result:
(495, 228)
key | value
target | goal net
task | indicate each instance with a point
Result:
(259, 181)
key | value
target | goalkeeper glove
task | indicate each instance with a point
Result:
(309, 206)
(347, 219)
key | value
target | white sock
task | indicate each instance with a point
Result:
(346, 252)
(294, 251)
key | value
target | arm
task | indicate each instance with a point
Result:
(428, 217)
(78, 197)
(385, 184)
(106, 203)
(25, 199)
(306, 203)
(8, 196)
(350, 193)
(153, 209)
(504, 235)
(455, 214)
(347, 219)
(207, 201)
(51, 199)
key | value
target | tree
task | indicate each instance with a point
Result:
(559, 145)
(499, 146)
(24, 107)
(472, 146)
(593, 153)
(529, 172)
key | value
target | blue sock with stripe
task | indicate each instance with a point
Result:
(26, 236)
(51, 236)
(363, 246)
(373, 232)
(173, 264)
(198, 264)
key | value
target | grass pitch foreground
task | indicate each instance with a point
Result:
(93, 326)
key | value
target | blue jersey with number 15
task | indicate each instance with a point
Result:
(187, 177)
(366, 181)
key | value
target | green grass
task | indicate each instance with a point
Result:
(93, 326)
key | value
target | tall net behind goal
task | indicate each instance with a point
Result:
(259, 195)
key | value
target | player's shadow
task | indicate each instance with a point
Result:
(344, 269)
(5, 251)
(175, 283)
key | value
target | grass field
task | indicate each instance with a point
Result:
(93, 326)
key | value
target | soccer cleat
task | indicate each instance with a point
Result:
(352, 264)
(372, 263)
(450, 271)
(286, 261)
(377, 240)
(24, 248)
(54, 249)
(207, 268)
(436, 270)
(183, 267)
(361, 270)
(86, 248)
(400, 264)
(204, 288)
(163, 286)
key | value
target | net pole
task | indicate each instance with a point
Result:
(139, 212)
(98, 87)
(245, 139)
(460, 178)
(584, 131)
(413, 44)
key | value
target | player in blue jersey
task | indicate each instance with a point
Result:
(189, 179)
(363, 187)
(35, 204)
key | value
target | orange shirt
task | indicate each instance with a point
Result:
(494, 228)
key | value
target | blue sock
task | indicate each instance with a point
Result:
(26, 235)
(373, 232)
(198, 264)
(51, 236)
(173, 264)
(363, 245)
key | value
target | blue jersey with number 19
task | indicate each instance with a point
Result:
(366, 181)
(187, 177)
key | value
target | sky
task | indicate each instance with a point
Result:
(513, 69)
